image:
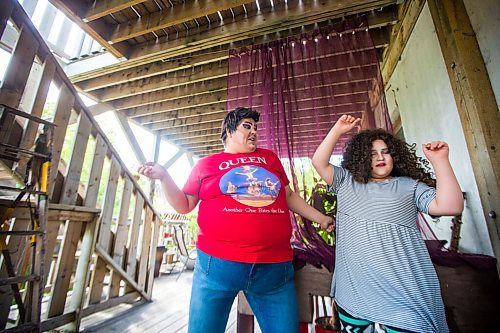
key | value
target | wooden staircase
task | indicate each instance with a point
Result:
(86, 241)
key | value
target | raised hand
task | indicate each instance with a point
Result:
(346, 123)
(436, 151)
(152, 170)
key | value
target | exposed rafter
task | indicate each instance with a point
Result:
(174, 81)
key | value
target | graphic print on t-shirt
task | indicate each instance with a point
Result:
(251, 185)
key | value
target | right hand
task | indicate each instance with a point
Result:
(152, 170)
(327, 223)
(346, 123)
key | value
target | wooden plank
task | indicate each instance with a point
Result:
(148, 70)
(403, 30)
(156, 155)
(36, 109)
(206, 72)
(5, 12)
(61, 119)
(14, 245)
(190, 133)
(131, 262)
(215, 119)
(152, 258)
(283, 17)
(82, 274)
(171, 17)
(145, 248)
(51, 233)
(476, 104)
(177, 105)
(270, 20)
(109, 202)
(15, 78)
(130, 297)
(195, 89)
(96, 172)
(72, 179)
(18, 70)
(97, 281)
(64, 268)
(98, 30)
(59, 215)
(109, 261)
(129, 134)
(103, 8)
(57, 321)
(121, 236)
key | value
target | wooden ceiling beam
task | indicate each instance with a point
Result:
(203, 108)
(201, 133)
(168, 94)
(166, 131)
(401, 34)
(129, 104)
(178, 14)
(381, 38)
(215, 119)
(193, 111)
(148, 70)
(250, 28)
(103, 8)
(281, 17)
(157, 112)
(208, 73)
(188, 131)
(203, 73)
(208, 139)
(98, 30)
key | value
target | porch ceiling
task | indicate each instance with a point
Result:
(174, 79)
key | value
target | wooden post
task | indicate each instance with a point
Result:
(156, 154)
(476, 104)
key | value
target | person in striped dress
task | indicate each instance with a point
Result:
(383, 271)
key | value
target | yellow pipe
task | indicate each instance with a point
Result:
(44, 176)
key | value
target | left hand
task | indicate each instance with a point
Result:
(327, 223)
(435, 151)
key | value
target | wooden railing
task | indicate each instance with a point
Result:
(95, 247)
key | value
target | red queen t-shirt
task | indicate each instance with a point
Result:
(243, 214)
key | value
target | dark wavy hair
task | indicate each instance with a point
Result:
(233, 119)
(357, 157)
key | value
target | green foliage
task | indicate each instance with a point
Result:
(325, 202)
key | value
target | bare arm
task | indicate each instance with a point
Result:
(183, 203)
(321, 157)
(449, 199)
(298, 205)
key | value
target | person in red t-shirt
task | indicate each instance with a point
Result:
(245, 229)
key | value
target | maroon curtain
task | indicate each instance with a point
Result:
(301, 86)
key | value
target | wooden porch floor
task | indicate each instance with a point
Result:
(167, 313)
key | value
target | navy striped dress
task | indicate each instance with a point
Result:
(383, 272)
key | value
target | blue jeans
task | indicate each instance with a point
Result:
(268, 288)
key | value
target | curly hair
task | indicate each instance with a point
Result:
(357, 157)
(233, 119)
